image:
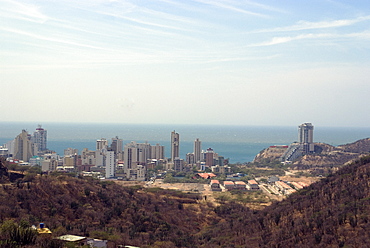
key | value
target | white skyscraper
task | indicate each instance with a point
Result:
(109, 164)
(39, 138)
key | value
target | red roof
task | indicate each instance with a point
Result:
(252, 182)
(206, 175)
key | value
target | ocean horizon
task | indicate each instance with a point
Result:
(236, 142)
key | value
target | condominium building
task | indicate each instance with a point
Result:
(23, 147)
(101, 144)
(136, 154)
(175, 145)
(117, 145)
(305, 137)
(109, 164)
(209, 157)
(157, 152)
(197, 150)
(40, 138)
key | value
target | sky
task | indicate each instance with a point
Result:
(224, 62)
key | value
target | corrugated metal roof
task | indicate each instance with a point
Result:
(71, 238)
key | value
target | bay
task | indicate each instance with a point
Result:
(238, 143)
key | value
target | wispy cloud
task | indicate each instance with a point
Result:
(227, 6)
(22, 11)
(51, 39)
(305, 25)
(286, 39)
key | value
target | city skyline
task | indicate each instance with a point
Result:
(194, 62)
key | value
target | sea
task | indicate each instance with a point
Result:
(240, 144)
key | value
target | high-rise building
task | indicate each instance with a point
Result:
(39, 138)
(101, 144)
(178, 164)
(117, 145)
(88, 157)
(70, 152)
(23, 146)
(143, 153)
(157, 152)
(109, 164)
(175, 145)
(209, 157)
(135, 154)
(190, 158)
(197, 150)
(130, 156)
(305, 137)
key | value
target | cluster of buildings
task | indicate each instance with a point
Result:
(234, 185)
(111, 159)
(25, 146)
(279, 187)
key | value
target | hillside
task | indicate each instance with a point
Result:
(325, 157)
(334, 212)
(101, 209)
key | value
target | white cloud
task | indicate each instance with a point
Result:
(226, 6)
(305, 25)
(286, 39)
(22, 11)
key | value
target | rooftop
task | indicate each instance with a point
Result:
(71, 238)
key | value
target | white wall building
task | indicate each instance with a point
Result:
(109, 164)
(40, 138)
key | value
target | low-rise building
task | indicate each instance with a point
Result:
(284, 188)
(296, 185)
(240, 185)
(205, 175)
(215, 185)
(229, 185)
(252, 185)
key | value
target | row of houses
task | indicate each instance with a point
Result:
(290, 188)
(234, 185)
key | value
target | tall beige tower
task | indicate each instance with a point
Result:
(23, 147)
(197, 150)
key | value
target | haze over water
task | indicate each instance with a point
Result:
(238, 143)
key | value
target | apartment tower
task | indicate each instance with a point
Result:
(40, 138)
(197, 150)
(305, 137)
(23, 146)
(175, 145)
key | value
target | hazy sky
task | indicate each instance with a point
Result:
(235, 62)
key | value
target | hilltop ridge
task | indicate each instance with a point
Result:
(325, 155)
